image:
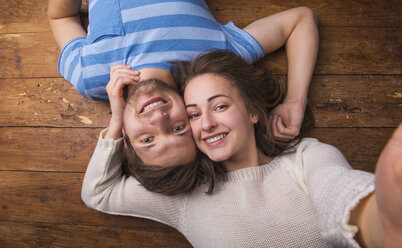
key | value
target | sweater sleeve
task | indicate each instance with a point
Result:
(334, 188)
(107, 190)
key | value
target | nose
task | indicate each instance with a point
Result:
(158, 118)
(208, 122)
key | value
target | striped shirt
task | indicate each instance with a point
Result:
(146, 33)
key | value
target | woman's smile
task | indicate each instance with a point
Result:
(215, 139)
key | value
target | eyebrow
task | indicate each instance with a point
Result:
(209, 99)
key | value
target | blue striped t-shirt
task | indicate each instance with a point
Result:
(146, 33)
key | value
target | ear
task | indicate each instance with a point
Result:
(124, 140)
(254, 118)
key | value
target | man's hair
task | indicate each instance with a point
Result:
(259, 91)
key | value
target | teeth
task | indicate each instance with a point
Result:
(151, 105)
(216, 138)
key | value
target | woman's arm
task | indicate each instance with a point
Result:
(64, 20)
(379, 217)
(334, 188)
(297, 28)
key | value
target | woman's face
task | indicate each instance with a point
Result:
(222, 127)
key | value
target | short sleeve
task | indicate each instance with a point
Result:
(242, 43)
(69, 64)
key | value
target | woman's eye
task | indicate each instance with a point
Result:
(178, 128)
(147, 140)
(220, 107)
(192, 116)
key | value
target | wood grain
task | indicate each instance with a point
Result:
(21, 16)
(51, 102)
(47, 149)
(55, 198)
(330, 13)
(54, 235)
(351, 50)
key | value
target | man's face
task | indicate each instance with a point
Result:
(156, 122)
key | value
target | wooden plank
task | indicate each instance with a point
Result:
(47, 149)
(69, 150)
(16, 234)
(48, 102)
(336, 101)
(28, 55)
(347, 50)
(330, 13)
(351, 50)
(27, 16)
(356, 101)
(21, 16)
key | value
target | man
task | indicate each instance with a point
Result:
(146, 35)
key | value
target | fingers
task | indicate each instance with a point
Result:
(120, 71)
(282, 132)
(120, 76)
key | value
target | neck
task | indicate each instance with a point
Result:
(249, 159)
(147, 73)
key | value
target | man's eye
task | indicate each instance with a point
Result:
(178, 128)
(147, 140)
(192, 116)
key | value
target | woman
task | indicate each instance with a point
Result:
(301, 196)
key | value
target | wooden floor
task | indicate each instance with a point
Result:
(48, 131)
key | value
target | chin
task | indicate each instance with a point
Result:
(218, 157)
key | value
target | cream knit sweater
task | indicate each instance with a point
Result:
(300, 199)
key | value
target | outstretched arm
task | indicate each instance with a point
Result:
(64, 20)
(297, 28)
(379, 217)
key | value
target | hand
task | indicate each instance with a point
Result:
(120, 76)
(286, 119)
(389, 189)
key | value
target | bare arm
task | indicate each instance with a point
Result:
(65, 21)
(379, 216)
(297, 29)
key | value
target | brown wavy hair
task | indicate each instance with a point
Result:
(258, 89)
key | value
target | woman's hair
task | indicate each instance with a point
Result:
(259, 91)
(171, 180)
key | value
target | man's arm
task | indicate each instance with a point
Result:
(297, 28)
(65, 21)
